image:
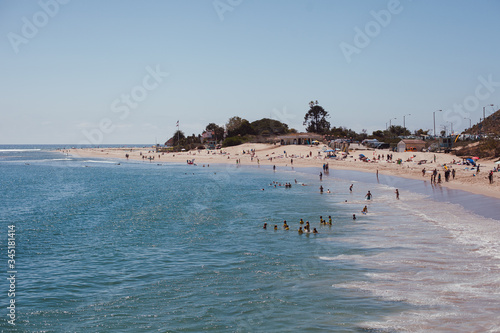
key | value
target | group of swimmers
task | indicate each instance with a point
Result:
(307, 227)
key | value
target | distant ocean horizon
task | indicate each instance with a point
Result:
(108, 245)
(68, 146)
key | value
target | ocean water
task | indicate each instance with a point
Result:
(133, 246)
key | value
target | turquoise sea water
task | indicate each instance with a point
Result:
(132, 246)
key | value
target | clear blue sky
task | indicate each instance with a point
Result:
(66, 69)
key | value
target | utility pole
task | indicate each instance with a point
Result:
(404, 122)
(434, 116)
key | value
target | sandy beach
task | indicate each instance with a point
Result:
(466, 177)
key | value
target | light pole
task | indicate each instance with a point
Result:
(445, 129)
(390, 121)
(404, 123)
(484, 113)
(434, 117)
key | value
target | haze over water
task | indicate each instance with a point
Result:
(165, 247)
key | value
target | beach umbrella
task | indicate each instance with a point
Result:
(361, 155)
(475, 158)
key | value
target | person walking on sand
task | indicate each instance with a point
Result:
(490, 177)
(453, 173)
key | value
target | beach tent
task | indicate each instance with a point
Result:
(471, 161)
(361, 155)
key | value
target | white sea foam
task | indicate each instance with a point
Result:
(437, 256)
(17, 150)
(99, 161)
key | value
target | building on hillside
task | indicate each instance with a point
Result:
(169, 143)
(411, 145)
(169, 146)
(299, 139)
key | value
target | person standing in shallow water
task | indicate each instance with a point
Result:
(368, 196)
(397, 194)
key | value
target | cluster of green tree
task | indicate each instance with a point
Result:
(239, 130)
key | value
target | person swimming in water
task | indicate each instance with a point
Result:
(315, 231)
(368, 196)
(353, 216)
(301, 221)
(265, 226)
(329, 220)
(300, 230)
(275, 227)
(365, 210)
